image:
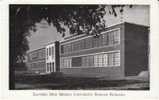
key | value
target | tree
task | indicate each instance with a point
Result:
(80, 19)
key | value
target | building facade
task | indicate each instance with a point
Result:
(52, 57)
(44, 60)
(120, 50)
(36, 61)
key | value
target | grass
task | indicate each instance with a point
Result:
(59, 82)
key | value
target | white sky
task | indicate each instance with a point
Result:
(138, 14)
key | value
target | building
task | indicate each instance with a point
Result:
(52, 57)
(120, 50)
(36, 61)
(44, 60)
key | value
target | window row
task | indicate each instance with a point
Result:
(37, 66)
(98, 60)
(50, 52)
(108, 38)
(40, 54)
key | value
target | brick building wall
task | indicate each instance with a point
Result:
(131, 55)
(36, 61)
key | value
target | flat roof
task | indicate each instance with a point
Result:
(36, 50)
(76, 36)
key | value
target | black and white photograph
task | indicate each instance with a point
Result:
(79, 47)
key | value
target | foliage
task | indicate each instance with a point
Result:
(80, 19)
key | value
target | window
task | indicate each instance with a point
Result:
(107, 38)
(110, 34)
(49, 51)
(101, 40)
(100, 60)
(110, 59)
(105, 60)
(91, 61)
(71, 44)
(76, 61)
(65, 49)
(74, 46)
(87, 61)
(47, 67)
(70, 47)
(116, 36)
(84, 61)
(84, 44)
(88, 43)
(117, 59)
(95, 42)
(70, 62)
(78, 45)
(95, 60)
(53, 67)
(114, 59)
(50, 67)
(65, 62)
(53, 53)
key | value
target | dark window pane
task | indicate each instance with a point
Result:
(76, 61)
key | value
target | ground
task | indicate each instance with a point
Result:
(53, 82)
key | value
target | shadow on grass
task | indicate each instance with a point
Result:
(59, 82)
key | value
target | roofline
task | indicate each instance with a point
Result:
(137, 24)
(105, 28)
(49, 43)
(36, 49)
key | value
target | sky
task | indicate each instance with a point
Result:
(138, 14)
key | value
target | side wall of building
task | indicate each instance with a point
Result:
(36, 61)
(136, 49)
(109, 72)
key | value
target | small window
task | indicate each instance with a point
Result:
(49, 51)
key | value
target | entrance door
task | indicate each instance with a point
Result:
(53, 67)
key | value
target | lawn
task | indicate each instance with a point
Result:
(58, 82)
